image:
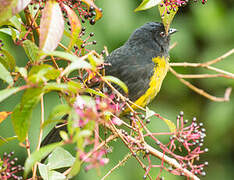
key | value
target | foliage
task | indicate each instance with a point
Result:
(81, 84)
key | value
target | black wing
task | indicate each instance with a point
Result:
(132, 68)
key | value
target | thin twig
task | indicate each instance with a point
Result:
(170, 161)
(201, 76)
(219, 58)
(117, 165)
(119, 133)
(202, 92)
(173, 45)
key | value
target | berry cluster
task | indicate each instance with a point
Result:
(8, 169)
(85, 11)
(174, 4)
(188, 140)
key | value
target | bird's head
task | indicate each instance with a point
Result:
(152, 35)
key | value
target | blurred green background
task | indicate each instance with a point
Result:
(205, 32)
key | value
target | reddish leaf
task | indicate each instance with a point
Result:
(75, 25)
(21, 4)
(6, 9)
(3, 115)
(51, 27)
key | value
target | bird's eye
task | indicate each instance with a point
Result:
(162, 34)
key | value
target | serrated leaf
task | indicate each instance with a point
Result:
(44, 171)
(21, 115)
(75, 86)
(75, 167)
(51, 26)
(16, 22)
(94, 61)
(79, 64)
(116, 81)
(167, 17)
(147, 4)
(5, 75)
(6, 9)
(75, 26)
(46, 174)
(11, 32)
(43, 73)
(55, 87)
(57, 114)
(37, 156)
(92, 91)
(60, 158)
(64, 55)
(31, 50)
(9, 59)
(6, 140)
(5, 93)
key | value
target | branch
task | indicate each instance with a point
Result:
(118, 165)
(155, 153)
(202, 92)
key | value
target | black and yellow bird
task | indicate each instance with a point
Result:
(141, 63)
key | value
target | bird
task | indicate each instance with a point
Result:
(141, 63)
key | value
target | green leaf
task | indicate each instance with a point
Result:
(44, 171)
(11, 32)
(21, 115)
(55, 87)
(46, 174)
(5, 75)
(37, 156)
(9, 59)
(23, 71)
(75, 167)
(92, 91)
(5, 93)
(57, 113)
(81, 64)
(167, 17)
(147, 4)
(94, 61)
(63, 55)
(31, 50)
(6, 140)
(43, 73)
(60, 158)
(16, 22)
(116, 81)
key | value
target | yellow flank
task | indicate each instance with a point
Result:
(160, 71)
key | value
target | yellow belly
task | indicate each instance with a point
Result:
(160, 71)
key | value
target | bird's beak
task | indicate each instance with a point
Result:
(172, 31)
